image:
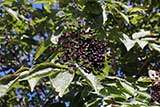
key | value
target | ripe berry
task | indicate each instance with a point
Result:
(85, 51)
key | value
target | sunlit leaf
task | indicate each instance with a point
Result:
(125, 17)
(47, 8)
(40, 73)
(155, 46)
(104, 14)
(54, 38)
(41, 70)
(12, 13)
(141, 43)
(144, 79)
(44, 1)
(92, 79)
(6, 2)
(4, 88)
(140, 34)
(61, 82)
(136, 9)
(32, 82)
(127, 42)
(128, 88)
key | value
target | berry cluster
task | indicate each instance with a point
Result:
(88, 52)
(155, 96)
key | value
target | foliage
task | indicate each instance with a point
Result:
(32, 52)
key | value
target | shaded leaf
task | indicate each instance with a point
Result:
(44, 45)
(144, 94)
(122, 14)
(6, 79)
(106, 70)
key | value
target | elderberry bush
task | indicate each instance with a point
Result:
(87, 52)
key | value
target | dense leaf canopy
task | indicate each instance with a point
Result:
(79, 53)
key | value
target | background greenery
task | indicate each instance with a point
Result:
(29, 31)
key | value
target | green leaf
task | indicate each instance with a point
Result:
(7, 82)
(104, 13)
(116, 96)
(44, 1)
(41, 70)
(40, 20)
(38, 73)
(106, 70)
(54, 38)
(47, 8)
(28, 40)
(93, 80)
(140, 34)
(128, 88)
(6, 2)
(4, 88)
(12, 13)
(22, 69)
(32, 82)
(44, 45)
(61, 82)
(144, 79)
(128, 42)
(92, 103)
(141, 43)
(144, 94)
(124, 16)
(136, 9)
(6, 79)
(120, 4)
(155, 46)
(140, 88)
